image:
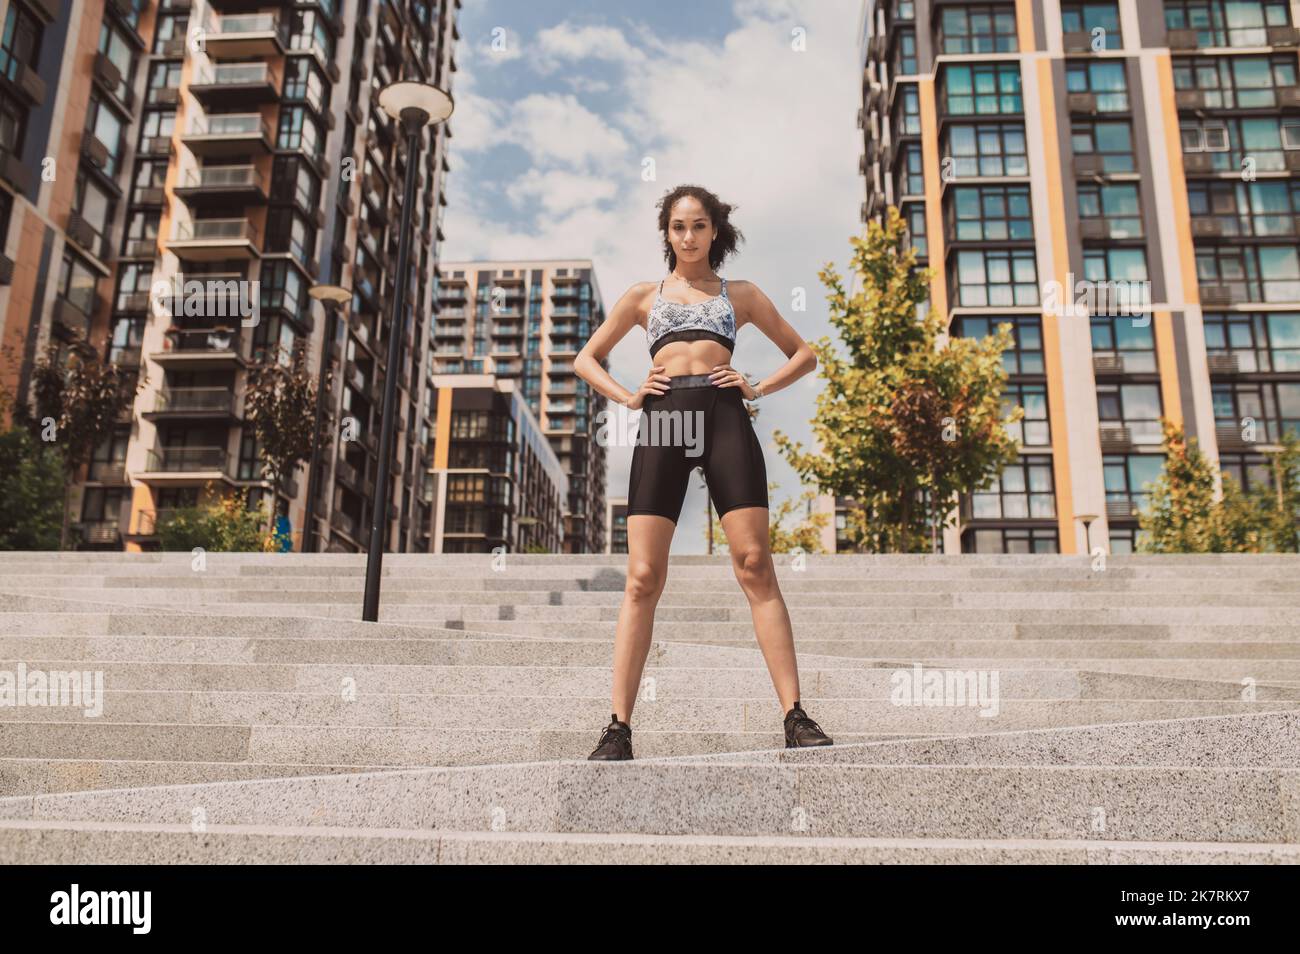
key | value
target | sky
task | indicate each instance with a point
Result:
(572, 119)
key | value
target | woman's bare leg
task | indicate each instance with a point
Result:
(648, 540)
(751, 557)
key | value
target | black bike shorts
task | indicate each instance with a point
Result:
(696, 424)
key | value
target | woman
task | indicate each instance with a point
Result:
(691, 319)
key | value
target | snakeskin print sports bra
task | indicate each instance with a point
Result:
(668, 321)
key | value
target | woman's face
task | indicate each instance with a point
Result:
(689, 230)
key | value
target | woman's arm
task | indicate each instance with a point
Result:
(761, 313)
(622, 318)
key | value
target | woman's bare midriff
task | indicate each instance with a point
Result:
(690, 357)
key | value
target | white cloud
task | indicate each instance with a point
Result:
(565, 43)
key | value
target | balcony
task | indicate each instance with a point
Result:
(229, 134)
(247, 36)
(193, 403)
(72, 321)
(107, 472)
(199, 349)
(1223, 363)
(100, 533)
(1122, 508)
(236, 85)
(208, 240)
(186, 466)
(239, 185)
(1263, 225)
(1283, 37)
(86, 235)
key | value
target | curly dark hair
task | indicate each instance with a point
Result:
(719, 214)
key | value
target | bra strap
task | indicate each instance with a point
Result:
(724, 287)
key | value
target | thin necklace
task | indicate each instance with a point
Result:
(691, 283)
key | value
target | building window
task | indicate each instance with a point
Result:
(1023, 491)
(293, 181)
(908, 120)
(309, 33)
(95, 206)
(1010, 540)
(164, 74)
(905, 53)
(303, 82)
(1227, 22)
(912, 181)
(1273, 407)
(1089, 17)
(916, 229)
(77, 283)
(21, 41)
(1134, 406)
(1251, 272)
(1034, 429)
(1111, 141)
(298, 130)
(1235, 82)
(141, 238)
(1228, 143)
(1104, 79)
(127, 337)
(979, 29)
(1116, 205)
(1250, 471)
(1114, 265)
(1124, 339)
(986, 149)
(1258, 342)
(114, 44)
(1261, 208)
(282, 288)
(170, 27)
(990, 214)
(982, 89)
(1025, 356)
(996, 278)
(104, 124)
(288, 231)
(1127, 479)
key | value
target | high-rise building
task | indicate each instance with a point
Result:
(236, 147)
(1120, 181)
(525, 321)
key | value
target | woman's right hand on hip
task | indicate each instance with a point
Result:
(656, 382)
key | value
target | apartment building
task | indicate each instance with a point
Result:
(525, 321)
(616, 520)
(1120, 181)
(495, 480)
(236, 145)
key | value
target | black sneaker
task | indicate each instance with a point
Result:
(615, 742)
(802, 731)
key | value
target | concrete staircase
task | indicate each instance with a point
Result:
(1145, 712)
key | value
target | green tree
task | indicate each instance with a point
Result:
(1278, 506)
(31, 486)
(806, 534)
(224, 524)
(906, 421)
(281, 405)
(1182, 513)
(77, 405)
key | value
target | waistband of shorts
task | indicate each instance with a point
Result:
(690, 381)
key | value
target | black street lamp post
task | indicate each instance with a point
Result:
(415, 105)
(332, 297)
